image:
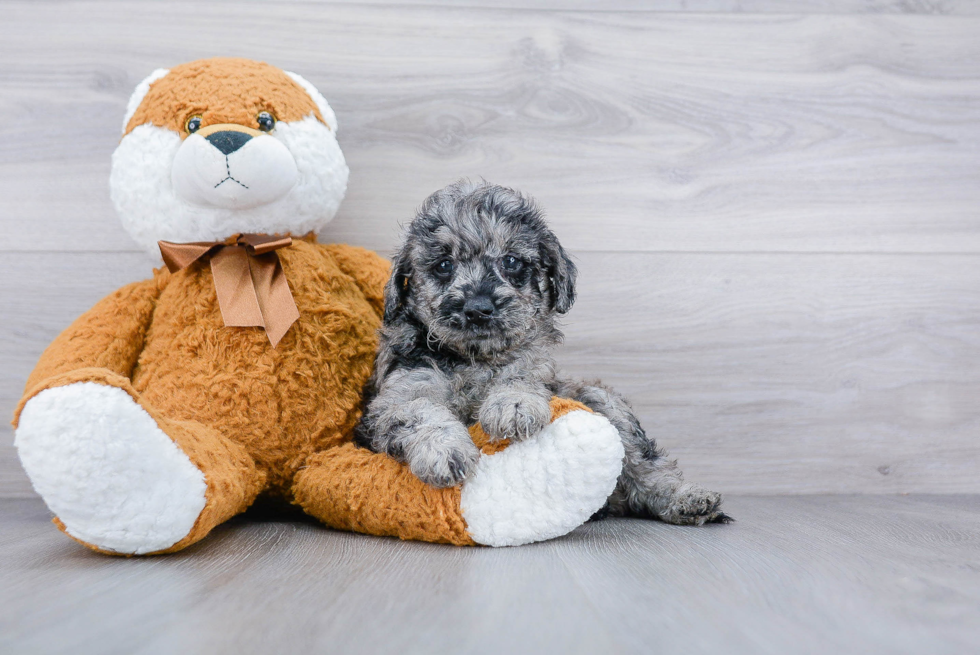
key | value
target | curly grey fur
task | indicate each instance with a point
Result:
(469, 326)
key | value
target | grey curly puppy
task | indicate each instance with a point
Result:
(469, 325)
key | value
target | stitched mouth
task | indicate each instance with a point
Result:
(229, 177)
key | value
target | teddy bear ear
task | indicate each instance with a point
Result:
(321, 103)
(139, 93)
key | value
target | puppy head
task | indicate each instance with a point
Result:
(481, 270)
(221, 146)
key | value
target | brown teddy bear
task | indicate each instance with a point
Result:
(237, 369)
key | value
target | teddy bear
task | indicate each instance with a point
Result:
(236, 370)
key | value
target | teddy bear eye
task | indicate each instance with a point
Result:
(266, 121)
(193, 124)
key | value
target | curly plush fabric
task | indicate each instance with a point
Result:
(167, 336)
(222, 90)
(248, 416)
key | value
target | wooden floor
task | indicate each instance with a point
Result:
(818, 574)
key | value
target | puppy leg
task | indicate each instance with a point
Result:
(434, 444)
(515, 411)
(407, 422)
(651, 485)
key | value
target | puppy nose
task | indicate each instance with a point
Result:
(228, 141)
(478, 310)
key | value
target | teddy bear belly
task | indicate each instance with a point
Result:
(282, 404)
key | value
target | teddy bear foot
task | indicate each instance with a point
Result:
(546, 486)
(114, 479)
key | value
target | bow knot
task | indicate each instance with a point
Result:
(248, 278)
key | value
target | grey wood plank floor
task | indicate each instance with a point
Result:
(817, 574)
(925, 7)
(638, 131)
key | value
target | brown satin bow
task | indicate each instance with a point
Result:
(248, 277)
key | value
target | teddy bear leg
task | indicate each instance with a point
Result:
(351, 488)
(540, 488)
(123, 480)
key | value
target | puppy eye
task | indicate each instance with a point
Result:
(444, 268)
(193, 124)
(511, 264)
(266, 121)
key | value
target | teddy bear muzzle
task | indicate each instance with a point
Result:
(231, 166)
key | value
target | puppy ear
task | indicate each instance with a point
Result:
(396, 290)
(561, 273)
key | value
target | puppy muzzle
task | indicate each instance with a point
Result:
(479, 311)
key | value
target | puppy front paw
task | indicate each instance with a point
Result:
(442, 455)
(514, 415)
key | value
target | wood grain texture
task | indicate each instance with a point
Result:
(761, 373)
(801, 575)
(13, 480)
(925, 7)
(636, 130)
(790, 373)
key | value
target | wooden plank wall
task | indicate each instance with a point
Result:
(776, 215)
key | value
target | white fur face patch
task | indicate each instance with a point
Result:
(143, 178)
(256, 174)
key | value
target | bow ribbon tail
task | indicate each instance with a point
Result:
(277, 306)
(237, 297)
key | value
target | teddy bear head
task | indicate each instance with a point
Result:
(221, 146)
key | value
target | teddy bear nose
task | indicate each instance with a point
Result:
(228, 141)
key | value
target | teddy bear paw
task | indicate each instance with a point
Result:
(105, 468)
(545, 486)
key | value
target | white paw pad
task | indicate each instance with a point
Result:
(546, 486)
(105, 468)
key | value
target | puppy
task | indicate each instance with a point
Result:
(469, 326)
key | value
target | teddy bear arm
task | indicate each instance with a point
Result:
(369, 270)
(102, 345)
(351, 488)
(537, 489)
